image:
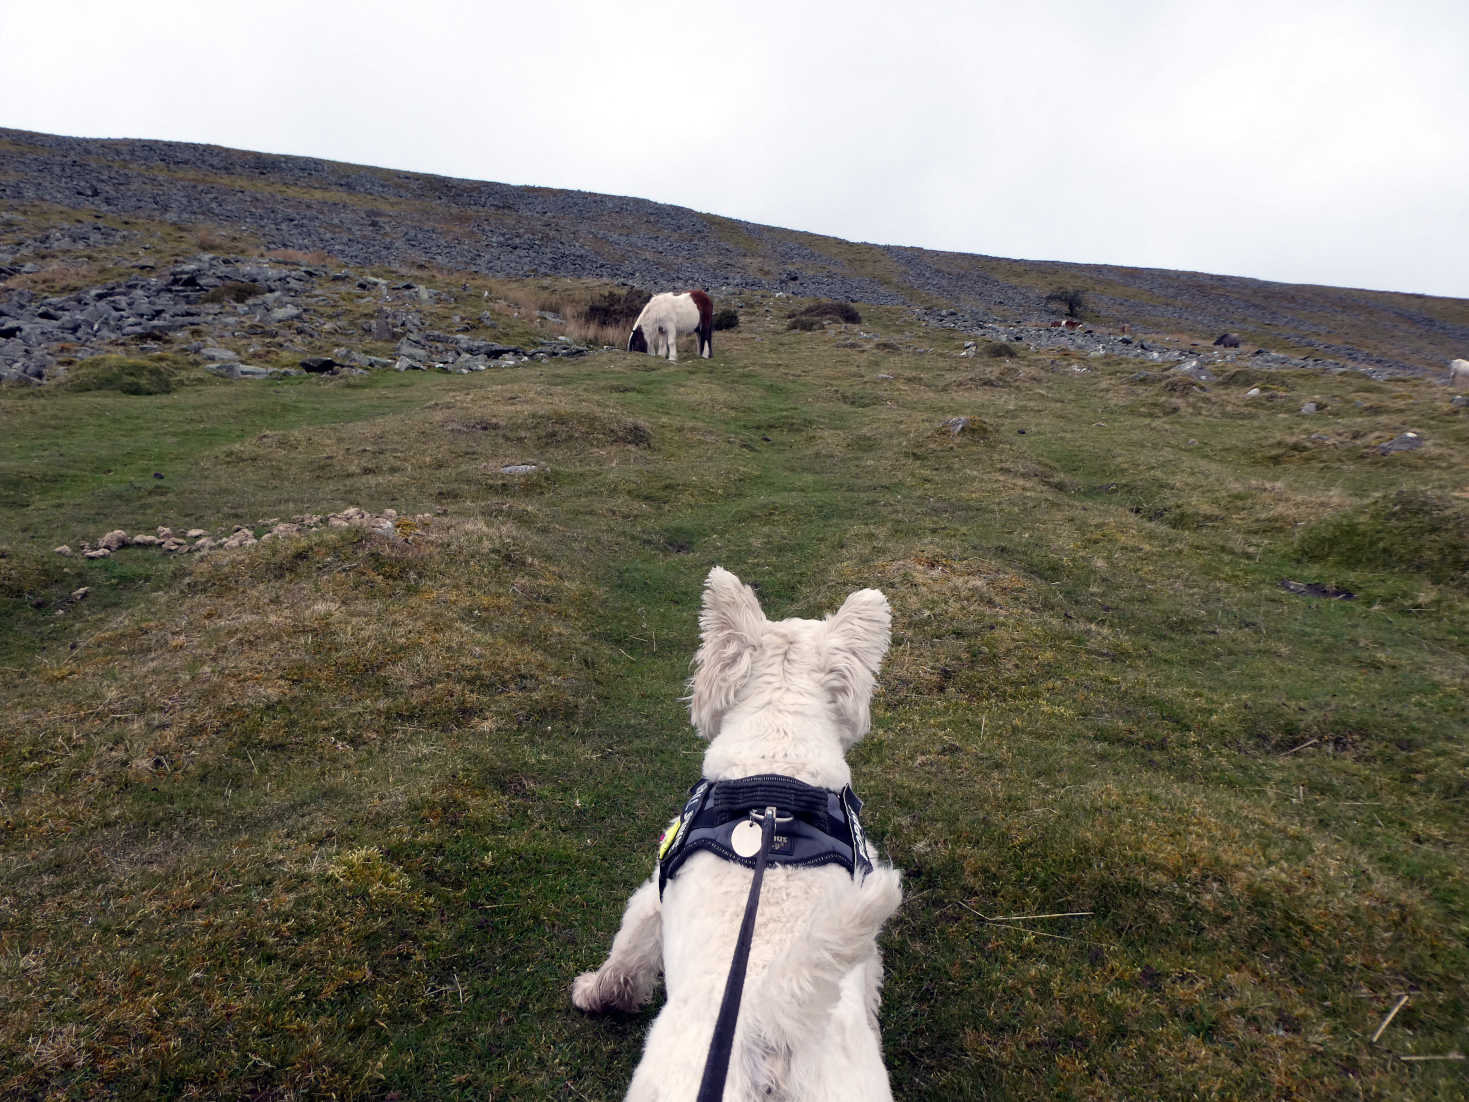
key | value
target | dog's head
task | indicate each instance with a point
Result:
(746, 660)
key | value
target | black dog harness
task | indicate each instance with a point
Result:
(813, 826)
(753, 821)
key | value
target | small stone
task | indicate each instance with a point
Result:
(1253, 392)
(145, 540)
(97, 553)
(64, 550)
(518, 468)
(81, 594)
(1406, 442)
(1310, 407)
(164, 533)
(194, 533)
(114, 539)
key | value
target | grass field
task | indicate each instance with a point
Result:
(343, 815)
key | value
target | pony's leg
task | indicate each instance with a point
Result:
(673, 344)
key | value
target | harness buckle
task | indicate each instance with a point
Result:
(772, 813)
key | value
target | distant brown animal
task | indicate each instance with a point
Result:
(1226, 340)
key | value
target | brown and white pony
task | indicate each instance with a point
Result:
(666, 316)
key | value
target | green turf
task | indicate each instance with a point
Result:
(344, 815)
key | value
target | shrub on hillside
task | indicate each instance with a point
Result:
(836, 311)
(1000, 350)
(726, 319)
(1408, 530)
(805, 324)
(1070, 299)
(616, 309)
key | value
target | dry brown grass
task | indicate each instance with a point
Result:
(311, 258)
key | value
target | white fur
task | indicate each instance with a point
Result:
(1458, 372)
(664, 318)
(787, 697)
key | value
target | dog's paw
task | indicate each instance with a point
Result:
(584, 994)
(608, 989)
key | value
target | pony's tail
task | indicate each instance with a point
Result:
(706, 323)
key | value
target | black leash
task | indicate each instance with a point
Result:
(716, 1066)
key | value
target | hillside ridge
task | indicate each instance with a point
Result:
(376, 217)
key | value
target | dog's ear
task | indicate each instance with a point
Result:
(857, 637)
(730, 624)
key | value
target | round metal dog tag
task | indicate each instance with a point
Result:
(746, 838)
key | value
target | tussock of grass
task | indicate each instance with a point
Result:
(132, 375)
(1409, 530)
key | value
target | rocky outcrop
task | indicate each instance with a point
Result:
(219, 295)
(168, 540)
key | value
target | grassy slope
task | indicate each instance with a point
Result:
(346, 815)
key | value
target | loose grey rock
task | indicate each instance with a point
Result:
(1404, 442)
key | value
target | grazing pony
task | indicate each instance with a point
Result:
(666, 316)
(1458, 373)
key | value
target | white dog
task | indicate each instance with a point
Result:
(784, 698)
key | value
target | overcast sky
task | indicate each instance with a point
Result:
(1312, 141)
